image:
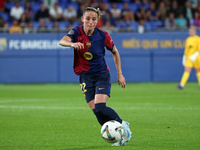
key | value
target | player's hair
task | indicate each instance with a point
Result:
(93, 9)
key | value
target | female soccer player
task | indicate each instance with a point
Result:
(89, 63)
(191, 57)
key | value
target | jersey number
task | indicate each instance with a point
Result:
(83, 85)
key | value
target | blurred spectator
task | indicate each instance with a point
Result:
(167, 4)
(43, 13)
(2, 4)
(16, 11)
(80, 10)
(188, 11)
(56, 12)
(109, 18)
(181, 22)
(141, 14)
(49, 3)
(3, 26)
(28, 11)
(115, 11)
(15, 28)
(55, 27)
(162, 11)
(70, 14)
(3, 7)
(23, 22)
(152, 12)
(141, 28)
(145, 3)
(127, 14)
(108, 27)
(175, 8)
(196, 20)
(42, 28)
(104, 7)
(29, 28)
(198, 8)
(170, 23)
(194, 3)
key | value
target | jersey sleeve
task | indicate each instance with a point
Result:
(109, 42)
(73, 34)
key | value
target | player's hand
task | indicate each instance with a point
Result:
(78, 45)
(121, 80)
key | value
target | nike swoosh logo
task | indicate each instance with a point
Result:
(128, 135)
(101, 88)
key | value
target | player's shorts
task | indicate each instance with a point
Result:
(92, 84)
(195, 64)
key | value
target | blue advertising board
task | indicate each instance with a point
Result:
(38, 58)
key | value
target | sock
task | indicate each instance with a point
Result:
(184, 78)
(198, 78)
(107, 112)
(100, 117)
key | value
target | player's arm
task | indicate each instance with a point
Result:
(120, 77)
(67, 42)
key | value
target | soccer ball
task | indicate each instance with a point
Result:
(112, 131)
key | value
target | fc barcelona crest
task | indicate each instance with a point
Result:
(88, 44)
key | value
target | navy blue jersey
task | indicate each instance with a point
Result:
(91, 58)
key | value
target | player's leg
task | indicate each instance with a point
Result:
(185, 77)
(108, 112)
(197, 70)
(88, 89)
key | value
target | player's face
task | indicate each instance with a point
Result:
(192, 32)
(90, 20)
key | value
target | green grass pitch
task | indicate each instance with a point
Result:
(56, 117)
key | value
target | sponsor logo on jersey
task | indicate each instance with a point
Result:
(71, 32)
(88, 55)
(3, 44)
(88, 44)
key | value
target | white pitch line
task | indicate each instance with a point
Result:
(83, 108)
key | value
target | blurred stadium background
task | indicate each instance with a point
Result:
(149, 35)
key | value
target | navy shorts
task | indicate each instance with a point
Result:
(92, 84)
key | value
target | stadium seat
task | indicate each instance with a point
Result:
(5, 16)
(9, 5)
(49, 25)
(147, 26)
(35, 24)
(133, 7)
(120, 5)
(63, 25)
(35, 6)
(156, 24)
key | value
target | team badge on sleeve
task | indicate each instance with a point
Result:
(71, 32)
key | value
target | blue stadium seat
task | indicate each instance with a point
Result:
(49, 25)
(5, 16)
(63, 25)
(35, 6)
(156, 24)
(9, 5)
(120, 5)
(147, 26)
(133, 7)
(35, 24)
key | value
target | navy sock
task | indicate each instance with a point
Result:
(107, 112)
(100, 117)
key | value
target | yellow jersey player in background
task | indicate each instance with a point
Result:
(191, 57)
